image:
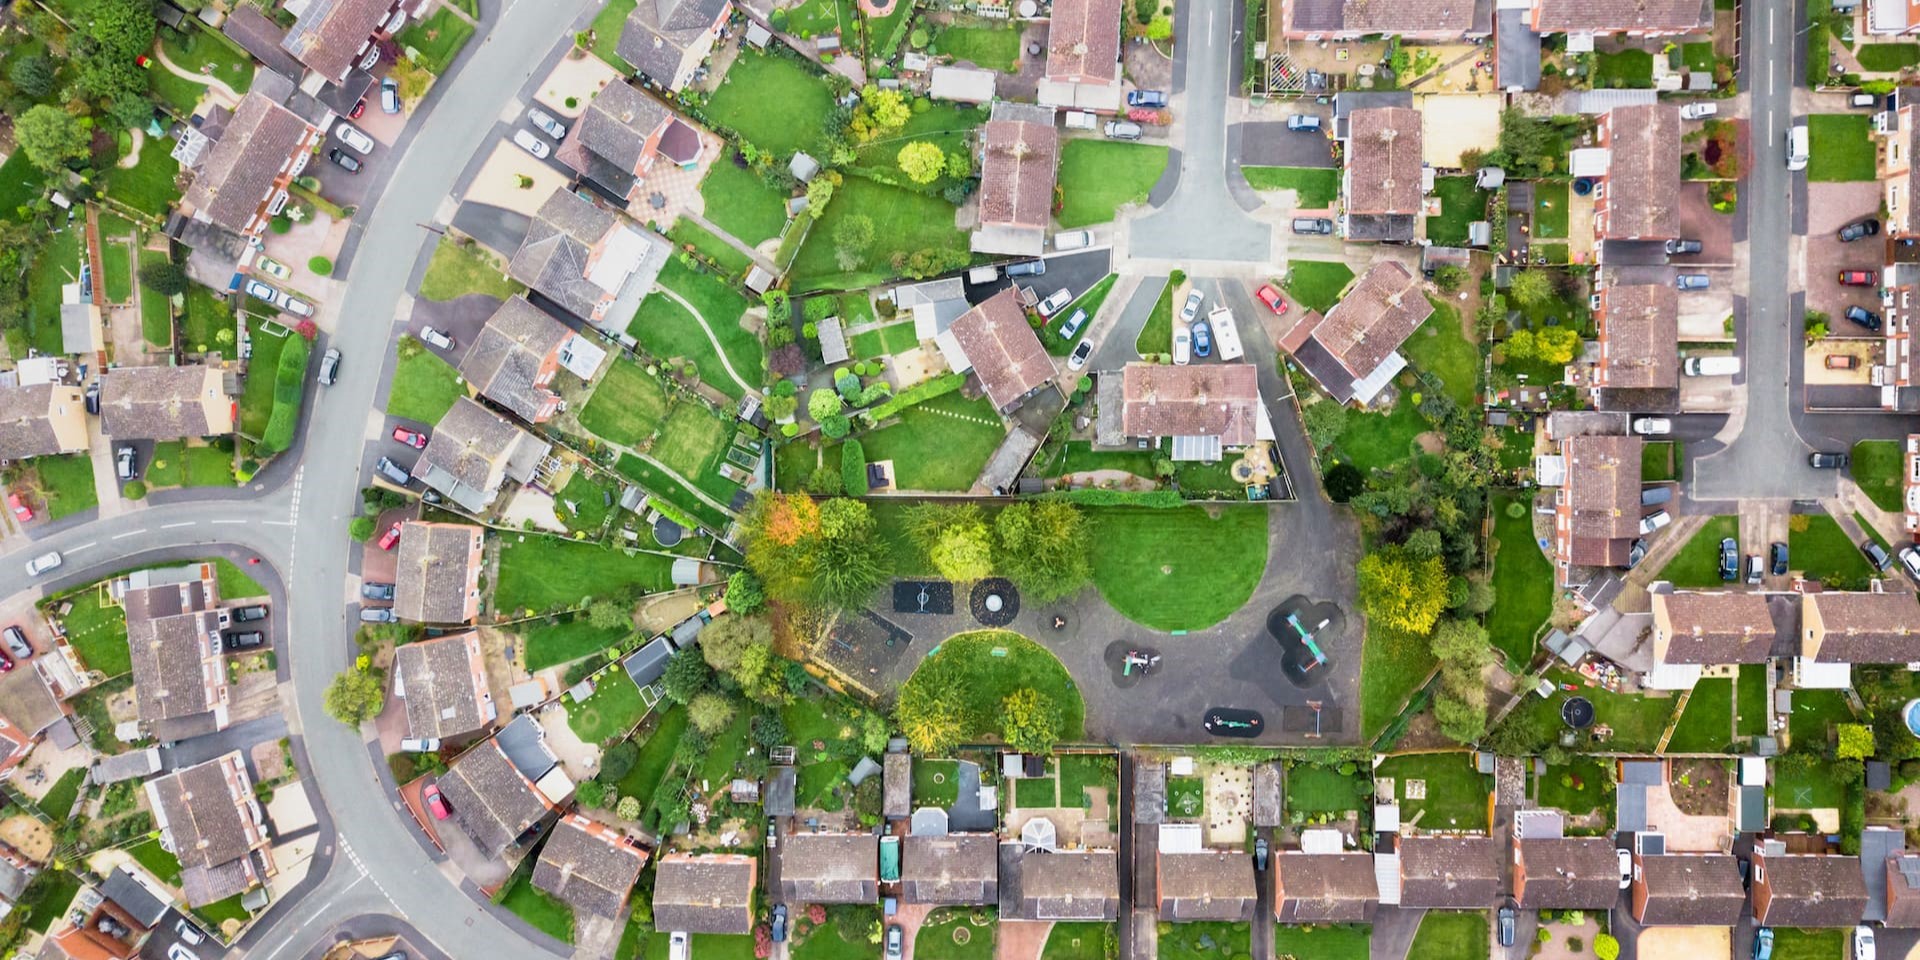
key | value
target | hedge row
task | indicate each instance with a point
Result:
(673, 513)
(289, 386)
(1159, 499)
(853, 469)
(918, 393)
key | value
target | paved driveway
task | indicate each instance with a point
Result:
(1273, 145)
(1833, 206)
(497, 227)
(460, 318)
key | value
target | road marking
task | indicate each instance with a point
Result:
(1773, 22)
(81, 547)
(226, 521)
(184, 523)
(130, 533)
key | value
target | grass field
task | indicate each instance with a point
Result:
(989, 45)
(1876, 468)
(707, 244)
(97, 629)
(1630, 68)
(1550, 209)
(611, 711)
(56, 264)
(552, 644)
(937, 939)
(995, 664)
(147, 186)
(156, 312)
(1080, 772)
(742, 204)
(1150, 562)
(1579, 788)
(256, 398)
(1312, 789)
(1697, 565)
(544, 913)
(1379, 440)
(1098, 176)
(1750, 701)
(1078, 456)
(1156, 335)
(66, 484)
(773, 102)
(1318, 187)
(1824, 551)
(666, 329)
(937, 446)
(1888, 57)
(1205, 940)
(1522, 581)
(1317, 284)
(627, 405)
(540, 573)
(60, 798)
(207, 323)
(1657, 461)
(1456, 792)
(1392, 666)
(1031, 792)
(1341, 941)
(1461, 203)
(656, 754)
(459, 269)
(1814, 714)
(209, 52)
(438, 38)
(904, 222)
(1089, 300)
(1791, 943)
(424, 386)
(117, 266)
(1637, 720)
(1440, 348)
(1077, 941)
(884, 342)
(1841, 147)
(1452, 935)
(20, 182)
(1706, 725)
(607, 27)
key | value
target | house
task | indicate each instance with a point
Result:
(1903, 891)
(1205, 408)
(590, 261)
(42, 420)
(1020, 150)
(1596, 513)
(1554, 872)
(704, 893)
(955, 869)
(95, 927)
(492, 801)
(1083, 56)
(1324, 887)
(262, 39)
(1635, 18)
(1838, 630)
(995, 342)
(165, 403)
(667, 40)
(589, 866)
(1638, 197)
(1430, 20)
(16, 871)
(1693, 631)
(1898, 135)
(208, 818)
(242, 182)
(1805, 889)
(15, 743)
(933, 304)
(1380, 186)
(436, 578)
(173, 637)
(621, 134)
(1210, 885)
(1687, 889)
(1449, 873)
(515, 357)
(830, 868)
(138, 895)
(1353, 351)
(330, 35)
(1058, 885)
(1639, 342)
(444, 683)
(473, 453)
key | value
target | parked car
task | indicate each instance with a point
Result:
(355, 139)
(412, 438)
(1910, 561)
(260, 291)
(435, 801)
(1073, 240)
(547, 124)
(6, 663)
(1261, 853)
(374, 590)
(1654, 521)
(376, 615)
(1313, 226)
(250, 613)
(779, 923)
(17, 644)
(1202, 339)
(1123, 130)
(1656, 494)
(1303, 122)
(21, 511)
(359, 107)
(93, 398)
(1626, 867)
(294, 305)
(1691, 281)
(273, 268)
(1859, 278)
(1729, 559)
(1828, 461)
(437, 338)
(188, 932)
(1071, 328)
(245, 640)
(1842, 361)
(1777, 555)
(1710, 366)
(392, 537)
(1677, 248)
(531, 143)
(1863, 942)
(1755, 569)
(1182, 346)
(1653, 426)
(1862, 100)
(125, 463)
(392, 472)
(1876, 554)
(1191, 308)
(343, 160)
(329, 367)
(419, 744)
(389, 96)
(1698, 111)
(1054, 301)
(1270, 296)
(1860, 230)
(1862, 316)
(895, 937)
(1763, 944)
(177, 952)
(1027, 268)
(1078, 358)
(1507, 916)
(1146, 98)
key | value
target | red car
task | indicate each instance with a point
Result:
(412, 438)
(391, 537)
(20, 510)
(358, 109)
(1271, 297)
(6, 663)
(435, 802)
(1859, 278)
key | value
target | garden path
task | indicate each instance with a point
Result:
(733, 241)
(669, 471)
(708, 330)
(132, 159)
(227, 94)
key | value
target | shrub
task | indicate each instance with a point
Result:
(289, 385)
(361, 529)
(918, 393)
(320, 266)
(853, 469)
(1162, 499)
(134, 490)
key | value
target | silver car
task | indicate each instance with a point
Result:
(525, 140)
(547, 124)
(260, 291)
(42, 563)
(355, 139)
(1192, 307)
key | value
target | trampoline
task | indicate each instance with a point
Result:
(1577, 712)
(667, 533)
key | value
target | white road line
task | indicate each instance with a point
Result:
(278, 523)
(130, 533)
(184, 523)
(1773, 22)
(227, 521)
(83, 546)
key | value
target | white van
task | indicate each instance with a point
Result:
(980, 275)
(1797, 150)
(1711, 366)
(1226, 334)
(1073, 240)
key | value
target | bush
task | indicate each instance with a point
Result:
(853, 469)
(361, 529)
(134, 490)
(1162, 499)
(289, 386)
(320, 266)
(918, 393)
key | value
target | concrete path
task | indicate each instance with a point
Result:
(229, 97)
(732, 241)
(708, 330)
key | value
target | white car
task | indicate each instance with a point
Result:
(273, 268)
(189, 932)
(1910, 561)
(1654, 521)
(355, 139)
(1626, 867)
(260, 291)
(1863, 942)
(1192, 307)
(1054, 301)
(42, 563)
(1182, 346)
(545, 121)
(1699, 111)
(531, 144)
(1080, 354)
(1653, 426)
(178, 952)
(436, 338)
(294, 305)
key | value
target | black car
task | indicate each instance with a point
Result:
(377, 591)
(1027, 268)
(246, 640)
(1729, 559)
(1682, 247)
(1876, 554)
(392, 472)
(1778, 555)
(343, 160)
(1860, 230)
(1230, 722)
(1828, 461)
(250, 614)
(1863, 316)
(1260, 853)
(1146, 98)
(93, 398)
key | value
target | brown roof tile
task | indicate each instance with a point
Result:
(1325, 887)
(1383, 161)
(1640, 336)
(164, 403)
(1711, 628)
(617, 125)
(704, 893)
(1643, 172)
(238, 175)
(1691, 889)
(506, 360)
(959, 869)
(491, 801)
(1863, 627)
(327, 37)
(39, 420)
(1377, 315)
(1004, 351)
(1212, 400)
(1069, 885)
(1615, 16)
(1903, 890)
(830, 868)
(1206, 886)
(588, 866)
(436, 577)
(1570, 873)
(445, 685)
(1083, 41)
(1407, 16)
(1603, 497)
(1022, 151)
(1449, 873)
(1808, 890)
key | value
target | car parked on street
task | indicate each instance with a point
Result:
(329, 367)
(1860, 230)
(412, 438)
(1078, 358)
(355, 138)
(1270, 296)
(1146, 98)
(1191, 308)
(1859, 278)
(1729, 559)
(343, 160)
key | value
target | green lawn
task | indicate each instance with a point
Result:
(1156, 336)
(692, 441)
(586, 502)
(608, 24)
(935, 782)
(672, 491)
(1452, 934)
(989, 45)
(1697, 565)
(156, 312)
(950, 933)
(1824, 551)
(438, 39)
(627, 405)
(1791, 943)
(424, 386)
(66, 484)
(1706, 725)
(1205, 940)
(1380, 440)
(1523, 581)
(687, 233)
(742, 204)
(1626, 68)
(1077, 941)
(611, 711)
(47, 895)
(1098, 176)
(773, 102)
(148, 185)
(842, 937)
(1657, 461)
(1340, 941)
(20, 183)
(60, 798)
(208, 324)
(156, 860)
(1697, 56)
(1877, 467)
(206, 50)
(1186, 797)
(256, 398)
(1841, 148)
(117, 268)
(1456, 792)
(56, 264)
(656, 754)
(168, 466)
(1815, 712)
(1150, 563)
(544, 913)
(1392, 666)
(1580, 787)
(884, 341)
(1318, 186)
(1750, 697)
(1550, 209)
(97, 629)
(209, 467)
(1312, 789)
(1033, 792)
(218, 912)
(1316, 284)
(834, 722)
(1440, 348)
(1078, 456)
(569, 639)
(1461, 203)
(996, 663)
(232, 582)
(1636, 720)
(459, 269)
(540, 572)
(937, 446)
(1887, 57)
(904, 222)
(1090, 301)
(666, 329)
(1080, 772)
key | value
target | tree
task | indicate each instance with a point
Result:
(1520, 345)
(853, 469)
(955, 538)
(850, 551)
(687, 674)
(726, 640)
(852, 238)
(34, 76)
(1557, 344)
(628, 808)
(1856, 741)
(1046, 547)
(1606, 946)
(1325, 421)
(921, 161)
(50, 136)
(931, 710)
(745, 595)
(1343, 481)
(591, 794)
(769, 730)
(959, 165)
(164, 277)
(1531, 287)
(1450, 277)
(354, 697)
(1461, 645)
(360, 529)
(1460, 720)
(1160, 27)
(710, 712)
(835, 427)
(823, 403)
(819, 194)
(610, 615)
(887, 109)
(123, 29)
(1030, 721)
(1402, 592)
(618, 760)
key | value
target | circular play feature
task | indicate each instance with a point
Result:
(1577, 712)
(1304, 629)
(1912, 713)
(995, 602)
(1130, 664)
(667, 533)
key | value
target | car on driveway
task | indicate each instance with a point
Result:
(1859, 230)
(1876, 554)
(355, 138)
(1054, 301)
(526, 140)
(1202, 339)
(273, 268)
(1123, 130)
(392, 472)
(1777, 555)
(294, 305)
(392, 537)
(1303, 122)
(250, 614)
(1078, 358)
(412, 438)
(1699, 111)
(1862, 316)
(1859, 278)
(1691, 281)
(1653, 426)
(1677, 248)
(1313, 226)
(125, 464)
(1146, 98)
(1828, 461)
(1910, 561)
(1654, 521)
(1027, 268)
(343, 160)
(1271, 297)
(547, 124)
(260, 291)
(17, 644)
(21, 511)
(176, 951)
(1626, 867)
(1507, 917)
(1071, 328)
(245, 640)
(376, 615)
(1191, 308)
(435, 801)
(389, 96)
(371, 590)
(436, 337)
(1763, 944)
(896, 937)
(1729, 559)
(1863, 942)
(1182, 346)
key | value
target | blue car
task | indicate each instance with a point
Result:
(1202, 339)
(1763, 944)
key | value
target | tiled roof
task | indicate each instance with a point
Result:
(1643, 172)
(240, 171)
(1069, 885)
(328, 35)
(173, 663)
(33, 419)
(558, 251)
(1211, 400)
(1325, 887)
(591, 869)
(475, 446)
(1206, 886)
(1903, 890)
(617, 125)
(490, 800)
(1713, 628)
(1083, 41)
(959, 868)
(1615, 16)
(1449, 873)
(444, 681)
(1641, 333)
(207, 823)
(1863, 627)
(1691, 889)
(1022, 150)
(1603, 497)
(1383, 161)
(1004, 351)
(263, 39)
(1809, 890)
(830, 868)
(506, 360)
(1409, 16)
(1376, 316)
(657, 33)
(1570, 873)
(164, 403)
(435, 577)
(704, 893)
